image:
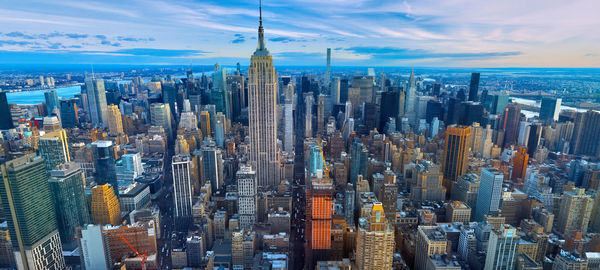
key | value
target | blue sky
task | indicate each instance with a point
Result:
(432, 33)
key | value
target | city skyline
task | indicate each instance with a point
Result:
(407, 33)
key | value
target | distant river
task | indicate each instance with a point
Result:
(37, 96)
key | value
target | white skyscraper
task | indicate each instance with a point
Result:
(308, 102)
(490, 192)
(262, 113)
(182, 187)
(96, 96)
(246, 181)
(411, 96)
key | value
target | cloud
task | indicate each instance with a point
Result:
(134, 39)
(108, 43)
(17, 43)
(404, 53)
(100, 37)
(158, 52)
(287, 39)
(239, 38)
(76, 36)
(55, 45)
(19, 35)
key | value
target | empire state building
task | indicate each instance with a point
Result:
(262, 113)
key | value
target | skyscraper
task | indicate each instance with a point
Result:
(490, 192)
(427, 182)
(182, 188)
(574, 212)
(66, 183)
(246, 182)
(68, 113)
(319, 197)
(456, 153)
(328, 70)
(51, 98)
(262, 113)
(5, 117)
(27, 201)
(105, 206)
(104, 164)
(115, 122)
(502, 248)
(510, 125)
(160, 115)
(96, 96)
(375, 241)
(410, 99)
(205, 123)
(550, 109)
(585, 134)
(474, 87)
(520, 161)
(212, 166)
(54, 148)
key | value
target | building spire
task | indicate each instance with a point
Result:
(261, 31)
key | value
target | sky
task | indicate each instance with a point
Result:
(406, 33)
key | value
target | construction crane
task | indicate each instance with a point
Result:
(325, 167)
(139, 255)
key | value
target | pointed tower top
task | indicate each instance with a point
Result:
(261, 33)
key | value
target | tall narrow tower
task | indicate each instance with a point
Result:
(262, 113)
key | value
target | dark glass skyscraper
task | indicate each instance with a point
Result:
(5, 117)
(68, 113)
(104, 163)
(51, 97)
(474, 87)
(27, 202)
(510, 125)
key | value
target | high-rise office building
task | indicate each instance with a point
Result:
(319, 197)
(328, 70)
(51, 98)
(474, 87)
(574, 212)
(115, 122)
(510, 124)
(96, 96)
(182, 188)
(585, 134)
(247, 184)
(105, 205)
(502, 248)
(94, 247)
(54, 148)
(410, 98)
(262, 114)
(550, 110)
(205, 123)
(5, 115)
(533, 140)
(321, 114)
(104, 164)
(68, 113)
(427, 182)
(490, 192)
(308, 123)
(495, 104)
(375, 241)
(456, 153)
(160, 114)
(27, 202)
(66, 183)
(335, 90)
(519, 162)
(212, 166)
(169, 95)
(431, 240)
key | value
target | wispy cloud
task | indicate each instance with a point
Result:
(404, 53)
